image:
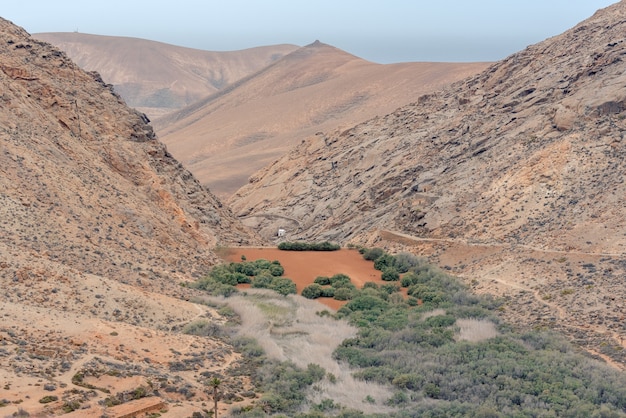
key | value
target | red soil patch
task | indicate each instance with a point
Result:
(304, 266)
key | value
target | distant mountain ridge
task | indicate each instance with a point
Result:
(225, 137)
(158, 78)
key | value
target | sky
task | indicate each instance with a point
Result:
(383, 31)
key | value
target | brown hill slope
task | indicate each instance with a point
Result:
(226, 137)
(525, 161)
(158, 78)
(98, 226)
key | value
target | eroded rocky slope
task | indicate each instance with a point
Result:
(525, 158)
(99, 224)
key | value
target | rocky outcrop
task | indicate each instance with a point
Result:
(529, 151)
(85, 182)
(99, 225)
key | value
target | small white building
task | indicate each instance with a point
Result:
(281, 232)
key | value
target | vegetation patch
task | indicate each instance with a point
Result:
(338, 287)
(445, 344)
(308, 246)
(223, 278)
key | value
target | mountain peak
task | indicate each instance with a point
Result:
(316, 44)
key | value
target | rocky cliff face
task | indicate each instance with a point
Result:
(99, 224)
(85, 182)
(513, 179)
(529, 151)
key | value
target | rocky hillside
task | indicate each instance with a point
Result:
(158, 78)
(226, 137)
(99, 224)
(528, 157)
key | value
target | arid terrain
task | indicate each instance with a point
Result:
(99, 225)
(315, 88)
(196, 99)
(511, 179)
(523, 163)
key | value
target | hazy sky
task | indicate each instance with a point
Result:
(381, 31)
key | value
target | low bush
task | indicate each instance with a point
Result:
(372, 254)
(312, 291)
(305, 246)
(390, 274)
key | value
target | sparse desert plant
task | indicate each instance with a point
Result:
(373, 253)
(21, 413)
(202, 328)
(48, 399)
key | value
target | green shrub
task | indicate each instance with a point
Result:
(372, 254)
(276, 270)
(328, 292)
(440, 321)
(343, 293)
(404, 262)
(262, 281)
(322, 280)
(304, 246)
(383, 262)
(390, 274)
(408, 279)
(283, 285)
(312, 291)
(409, 381)
(341, 280)
(390, 288)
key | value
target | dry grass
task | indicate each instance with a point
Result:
(290, 328)
(475, 330)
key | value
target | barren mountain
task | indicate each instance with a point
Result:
(99, 224)
(224, 138)
(513, 177)
(158, 78)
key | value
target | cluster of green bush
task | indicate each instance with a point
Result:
(391, 266)
(308, 246)
(283, 384)
(412, 344)
(338, 287)
(223, 278)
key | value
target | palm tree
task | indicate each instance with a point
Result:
(215, 383)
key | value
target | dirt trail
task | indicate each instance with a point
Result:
(498, 245)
